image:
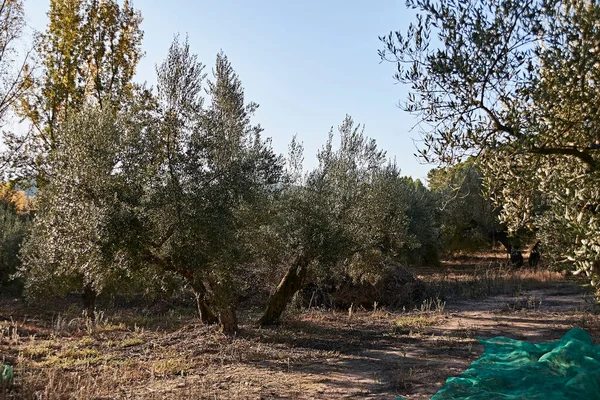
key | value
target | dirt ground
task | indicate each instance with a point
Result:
(313, 354)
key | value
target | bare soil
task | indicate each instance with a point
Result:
(315, 354)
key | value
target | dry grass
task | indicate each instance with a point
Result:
(67, 358)
(490, 279)
(132, 354)
(413, 323)
(291, 360)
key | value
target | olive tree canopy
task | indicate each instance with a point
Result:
(514, 83)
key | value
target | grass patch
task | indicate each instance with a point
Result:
(133, 341)
(494, 280)
(73, 357)
(41, 350)
(170, 366)
(413, 323)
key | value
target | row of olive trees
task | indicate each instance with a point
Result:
(172, 186)
(469, 218)
(139, 187)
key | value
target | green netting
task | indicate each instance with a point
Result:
(6, 374)
(511, 369)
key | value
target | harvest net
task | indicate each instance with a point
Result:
(568, 368)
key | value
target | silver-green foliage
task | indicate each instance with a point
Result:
(468, 217)
(216, 167)
(71, 239)
(162, 187)
(362, 210)
(514, 83)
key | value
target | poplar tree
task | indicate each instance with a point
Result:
(12, 83)
(87, 54)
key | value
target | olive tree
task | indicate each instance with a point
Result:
(301, 237)
(341, 220)
(513, 83)
(469, 219)
(210, 167)
(165, 184)
(71, 244)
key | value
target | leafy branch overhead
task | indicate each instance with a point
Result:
(484, 75)
(514, 83)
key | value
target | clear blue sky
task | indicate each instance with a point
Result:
(307, 63)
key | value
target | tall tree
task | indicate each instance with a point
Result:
(211, 167)
(239, 167)
(12, 83)
(13, 77)
(515, 84)
(179, 99)
(88, 54)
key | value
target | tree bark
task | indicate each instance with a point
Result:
(502, 237)
(534, 255)
(289, 285)
(89, 301)
(228, 320)
(206, 315)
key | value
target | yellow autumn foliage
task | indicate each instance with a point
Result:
(16, 197)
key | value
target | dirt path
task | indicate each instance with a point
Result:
(415, 365)
(312, 355)
(326, 355)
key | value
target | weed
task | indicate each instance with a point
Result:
(170, 366)
(41, 350)
(413, 323)
(133, 341)
(521, 302)
(430, 305)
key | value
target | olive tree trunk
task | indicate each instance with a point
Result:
(292, 281)
(228, 320)
(200, 292)
(206, 314)
(88, 297)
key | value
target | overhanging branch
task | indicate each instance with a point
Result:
(583, 155)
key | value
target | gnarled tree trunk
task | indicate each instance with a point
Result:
(206, 315)
(289, 285)
(88, 297)
(534, 255)
(228, 320)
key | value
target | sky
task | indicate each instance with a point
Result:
(306, 63)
